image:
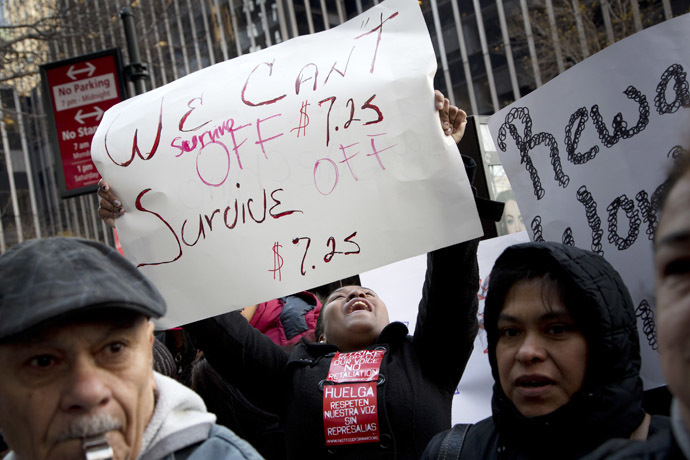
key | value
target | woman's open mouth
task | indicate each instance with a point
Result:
(357, 305)
(533, 385)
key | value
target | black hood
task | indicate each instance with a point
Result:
(610, 402)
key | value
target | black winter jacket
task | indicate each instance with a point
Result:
(609, 405)
(662, 446)
(421, 372)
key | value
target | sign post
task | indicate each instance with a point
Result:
(80, 90)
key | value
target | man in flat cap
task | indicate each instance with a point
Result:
(76, 375)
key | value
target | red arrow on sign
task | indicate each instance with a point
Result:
(98, 113)
(89, 68)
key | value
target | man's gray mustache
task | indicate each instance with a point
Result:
(91, 425)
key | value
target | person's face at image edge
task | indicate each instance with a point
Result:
(672, 266)
(353, 317)
(541, 354)
(96, 374)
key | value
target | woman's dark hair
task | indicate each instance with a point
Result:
(217, 394)
(318, 330)
(233, 410)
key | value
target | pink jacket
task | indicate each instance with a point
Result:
(287, 319)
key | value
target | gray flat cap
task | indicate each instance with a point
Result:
(44, 278)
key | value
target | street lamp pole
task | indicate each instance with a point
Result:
(136, 71)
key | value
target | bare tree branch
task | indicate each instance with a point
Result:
(565, 12)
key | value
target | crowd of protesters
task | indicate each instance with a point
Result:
(84, 375)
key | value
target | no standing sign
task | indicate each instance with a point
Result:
(80, 89)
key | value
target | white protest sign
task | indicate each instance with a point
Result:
(400, 286)
(586, 155)
(288, 168)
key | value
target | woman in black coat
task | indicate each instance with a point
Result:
(396, 392)
(565, 357)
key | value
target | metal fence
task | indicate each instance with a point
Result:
(490, 53)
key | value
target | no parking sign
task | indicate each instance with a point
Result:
(80, 90)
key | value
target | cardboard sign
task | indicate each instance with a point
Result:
(285, 169)
(586, 155)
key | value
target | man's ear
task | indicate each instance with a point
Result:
(149, 331)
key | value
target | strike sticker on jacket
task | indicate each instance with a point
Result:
(586, 155)
(358, 366)
(350, 407)
(288, 168)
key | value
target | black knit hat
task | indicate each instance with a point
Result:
(163, 360)
(42, 279)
